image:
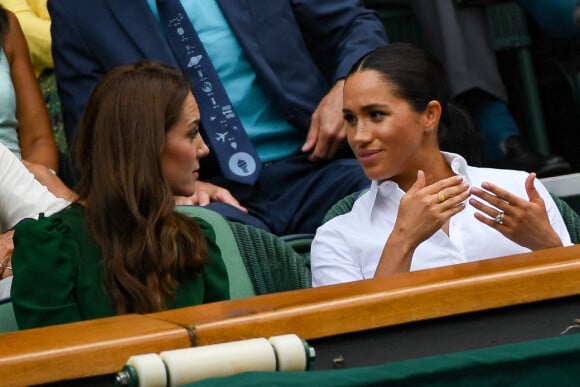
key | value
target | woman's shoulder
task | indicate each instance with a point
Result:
(70, 219)
(72, 215)
(206, 227)
(11, 33)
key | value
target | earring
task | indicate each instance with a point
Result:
(429, 129)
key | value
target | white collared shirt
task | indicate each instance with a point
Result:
(21, 195)
(348, 247)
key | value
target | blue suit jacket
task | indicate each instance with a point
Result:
(91, 37)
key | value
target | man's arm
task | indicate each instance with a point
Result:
(345, 31)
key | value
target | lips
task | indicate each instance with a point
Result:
(368, 155)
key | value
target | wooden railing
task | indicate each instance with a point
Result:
(102, 346)
(82, 349)
(401, 298)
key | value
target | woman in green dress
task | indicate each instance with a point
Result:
(121, 247)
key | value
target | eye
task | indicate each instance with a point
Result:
(350, 119)
(377, 115)
(193, 132)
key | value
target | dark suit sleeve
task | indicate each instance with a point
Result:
(342, 29)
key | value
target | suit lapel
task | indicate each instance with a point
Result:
(146, 34)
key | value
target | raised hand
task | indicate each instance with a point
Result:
(425, 209)
(422, 211)
(523, 221)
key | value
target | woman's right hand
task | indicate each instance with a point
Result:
(425, 209)
(422, 211)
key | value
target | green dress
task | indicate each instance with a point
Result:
(58, 277)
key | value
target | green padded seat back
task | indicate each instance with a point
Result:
(240, 284)
(571, 218)
(272, 264)
(343, 206)
(7, 318)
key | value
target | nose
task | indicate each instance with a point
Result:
(202, 148)
(360, 133)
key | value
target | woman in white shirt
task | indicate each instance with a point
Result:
(21, 196)
(425, 208)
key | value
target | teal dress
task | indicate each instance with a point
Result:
(58, 274)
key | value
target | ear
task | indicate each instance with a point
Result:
(431, 115)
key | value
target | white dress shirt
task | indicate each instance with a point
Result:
(21, 195)
(348, 247)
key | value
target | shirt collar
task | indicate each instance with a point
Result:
(457, 163)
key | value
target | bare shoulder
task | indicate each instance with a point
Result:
(14, 38)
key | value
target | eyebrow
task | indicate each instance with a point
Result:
(375, 106)
(197, 121)
(368, 107)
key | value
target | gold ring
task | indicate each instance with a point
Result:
(441, 197)
(499, 217)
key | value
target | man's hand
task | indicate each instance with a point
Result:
(206, 193)
(326, 133)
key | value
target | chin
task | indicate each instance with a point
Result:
(186, 191)
(376, 175)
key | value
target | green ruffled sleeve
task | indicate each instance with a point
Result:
(45, 265)
(215, 275)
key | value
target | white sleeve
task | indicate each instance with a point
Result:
(21, 195)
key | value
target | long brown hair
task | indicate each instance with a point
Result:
(147, 247)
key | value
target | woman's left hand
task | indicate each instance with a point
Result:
(525, 222)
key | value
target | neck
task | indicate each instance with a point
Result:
(434, 166)
(437, 170)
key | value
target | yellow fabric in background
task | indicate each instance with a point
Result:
(35, 22)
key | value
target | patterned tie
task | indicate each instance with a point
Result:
(233, 149)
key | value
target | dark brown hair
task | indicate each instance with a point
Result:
(147, 247)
